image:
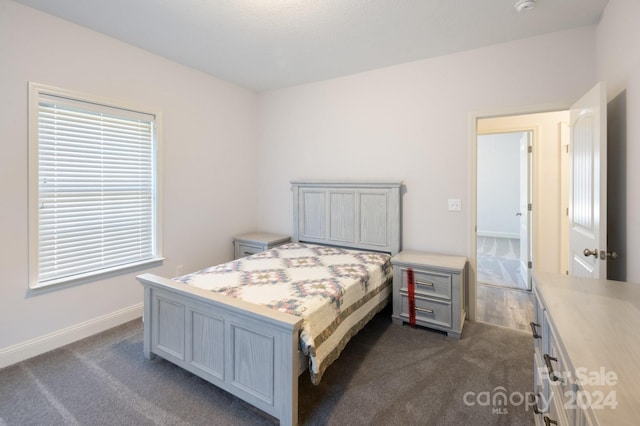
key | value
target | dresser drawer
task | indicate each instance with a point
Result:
(541, 396)
(428, 311)
(428, 283)
(556, 414)
(560, 373)
(539, 326)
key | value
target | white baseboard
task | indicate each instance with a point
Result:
(498, 234)
(39, 345)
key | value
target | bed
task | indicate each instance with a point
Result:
(254, 351)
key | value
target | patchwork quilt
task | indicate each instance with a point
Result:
(336, 291)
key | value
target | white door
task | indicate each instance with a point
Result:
(588, 185)
(525, 213)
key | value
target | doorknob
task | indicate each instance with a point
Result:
(612, 254)
(518, 214)
(593, 253)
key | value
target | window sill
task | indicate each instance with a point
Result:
(96, 275)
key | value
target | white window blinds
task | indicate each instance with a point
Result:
(95, 209)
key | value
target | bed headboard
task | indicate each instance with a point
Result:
(363, 215)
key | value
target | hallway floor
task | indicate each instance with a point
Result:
(499, 262)
(506, 307)
(503, 296)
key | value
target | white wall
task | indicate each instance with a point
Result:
(499, 185)
(412, 122)
(209, 142)
(618, 64)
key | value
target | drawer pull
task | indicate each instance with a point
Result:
(547, 361)
(426, 311)
(533, 399)
(533, 326)
(549, 422)
(425, 283)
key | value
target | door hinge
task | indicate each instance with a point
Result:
(529, 149)
(530, 207)
(530, 265)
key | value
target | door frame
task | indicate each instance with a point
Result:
(472, 294)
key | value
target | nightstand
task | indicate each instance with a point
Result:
(255, 242)
(439, 286)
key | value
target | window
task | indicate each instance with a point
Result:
(93, 186)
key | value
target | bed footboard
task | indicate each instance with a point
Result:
(248, 350)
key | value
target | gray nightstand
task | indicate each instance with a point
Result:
(255, 242)
(440, 286)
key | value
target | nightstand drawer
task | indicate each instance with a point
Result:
(247, 250)
(428, 283)
(256, 242)
(428, 311)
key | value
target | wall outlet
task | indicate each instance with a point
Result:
(455, 204)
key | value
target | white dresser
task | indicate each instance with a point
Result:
(587, 351)
(440, 288)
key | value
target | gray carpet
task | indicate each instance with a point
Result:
(499, 262)
(387, 375)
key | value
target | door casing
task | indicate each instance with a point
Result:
(473, 196)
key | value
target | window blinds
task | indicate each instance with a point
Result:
(96, 188)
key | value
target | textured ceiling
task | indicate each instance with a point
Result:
(268, 44)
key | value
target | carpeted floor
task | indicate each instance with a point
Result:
(387, 375)
(499, 262)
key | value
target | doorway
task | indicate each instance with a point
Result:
(503, 215)
(511, 306)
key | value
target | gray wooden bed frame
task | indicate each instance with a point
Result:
(252, 351)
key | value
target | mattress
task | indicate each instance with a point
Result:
(335, 290)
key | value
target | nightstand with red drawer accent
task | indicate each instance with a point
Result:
(437, 298)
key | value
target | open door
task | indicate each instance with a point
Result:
(525, 210)
(588, 185)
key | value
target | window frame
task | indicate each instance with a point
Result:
(36, 91)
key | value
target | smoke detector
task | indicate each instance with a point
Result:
(524, 5)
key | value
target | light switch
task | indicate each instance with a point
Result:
(455, 205)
